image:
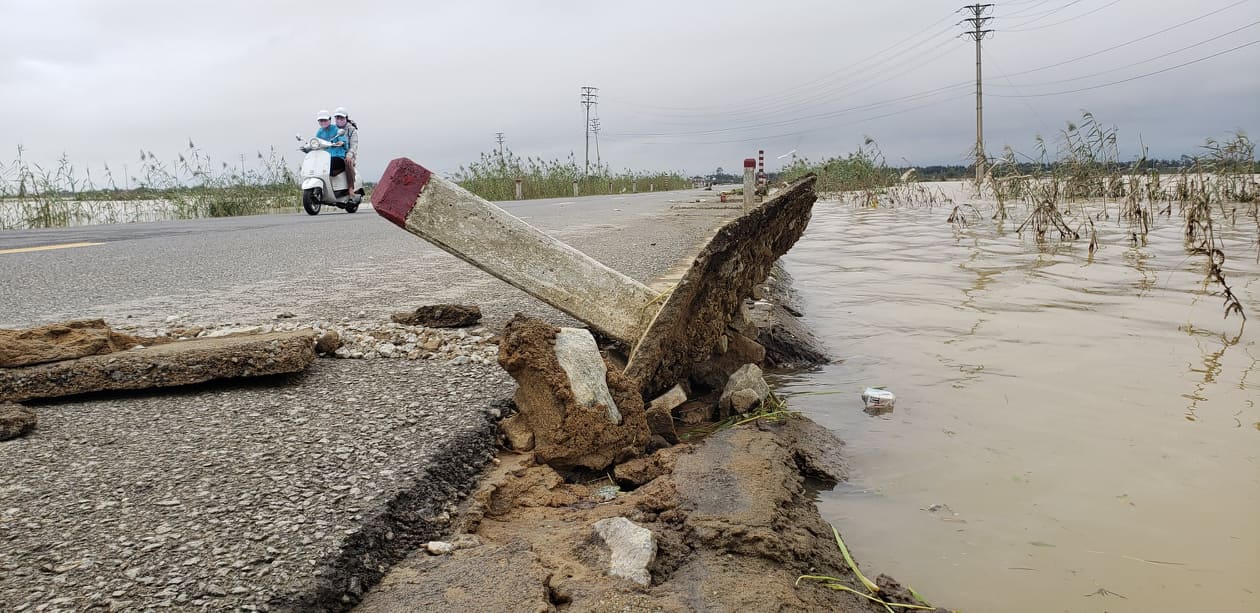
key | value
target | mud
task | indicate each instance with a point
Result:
(65, 341)
(166, 365)
(566, 434)
(691, 325)
(729, 509)
(440, 316)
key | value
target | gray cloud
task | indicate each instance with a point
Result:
(435, 81)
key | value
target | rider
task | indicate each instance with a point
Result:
(327, 131)
(341, 118)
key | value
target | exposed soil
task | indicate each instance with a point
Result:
(734, 525)
(566, 434)
(65, 341)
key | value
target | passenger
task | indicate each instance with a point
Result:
(342, 119)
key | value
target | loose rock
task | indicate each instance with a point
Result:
(748, 377)
(16, 420)
(633, 548)
(441, 316)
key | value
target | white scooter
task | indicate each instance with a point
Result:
(318, 187)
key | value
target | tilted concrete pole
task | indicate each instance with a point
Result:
(491, 239)
(750, 186)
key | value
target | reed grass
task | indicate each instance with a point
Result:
(1075, 180)
(189, 185)
(493, 177)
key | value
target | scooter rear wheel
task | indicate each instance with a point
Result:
(312, 200)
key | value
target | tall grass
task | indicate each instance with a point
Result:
(494, 176)
(189, 185)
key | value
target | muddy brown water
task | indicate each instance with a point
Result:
(1068, 435)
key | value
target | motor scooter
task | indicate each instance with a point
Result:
(319, 185)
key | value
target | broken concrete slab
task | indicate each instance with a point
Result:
(171, 364)
(16, 420)
(667, 339)
(567, 434)
(65, 341)
(440, 316)
(690, 325)
(661, 422)
(633, 548)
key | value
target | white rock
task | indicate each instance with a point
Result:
(588, 375)
(439, 548)
(633, 548)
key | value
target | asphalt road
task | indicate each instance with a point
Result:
(285, 492)
(332, 265)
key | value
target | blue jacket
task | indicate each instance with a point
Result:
(330, 134)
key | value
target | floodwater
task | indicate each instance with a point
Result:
(1068, 435)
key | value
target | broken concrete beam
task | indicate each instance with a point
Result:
(16, 420)
(178, 363)
(588, 375)
(568, 434)
(493, 240)
(64, 341)
(666, 340)
(441, 316)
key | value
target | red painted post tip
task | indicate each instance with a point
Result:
(395, 195)
(750, 163)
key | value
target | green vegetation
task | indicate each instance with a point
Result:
(189, 186)
(493, 177)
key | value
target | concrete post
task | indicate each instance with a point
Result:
(575, 188)
(491, 239)
(651, 187)
(750, 186)
(518, 189)
(634, 186)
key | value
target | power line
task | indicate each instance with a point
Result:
(1125, 44)
(1141, 76)
(1147, 60)
(1046, 14)
(827, 115)
(1059, 23)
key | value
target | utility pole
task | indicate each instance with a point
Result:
(977, 33)
(595, 132)
(498, 136)
(590, 97)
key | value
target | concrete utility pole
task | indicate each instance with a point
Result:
(590, 97)
(977, 33)
(499, 137)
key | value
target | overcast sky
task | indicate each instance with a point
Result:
(683, 85)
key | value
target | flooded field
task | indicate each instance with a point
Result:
(1068, 435)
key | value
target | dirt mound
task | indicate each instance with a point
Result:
(722, 512)
(568, 435)
(65, 341)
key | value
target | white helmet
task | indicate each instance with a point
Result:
(322, 115)
(341, 112)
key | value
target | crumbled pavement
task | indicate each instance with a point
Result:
(228, 496)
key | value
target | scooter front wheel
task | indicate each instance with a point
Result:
(312, 200)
